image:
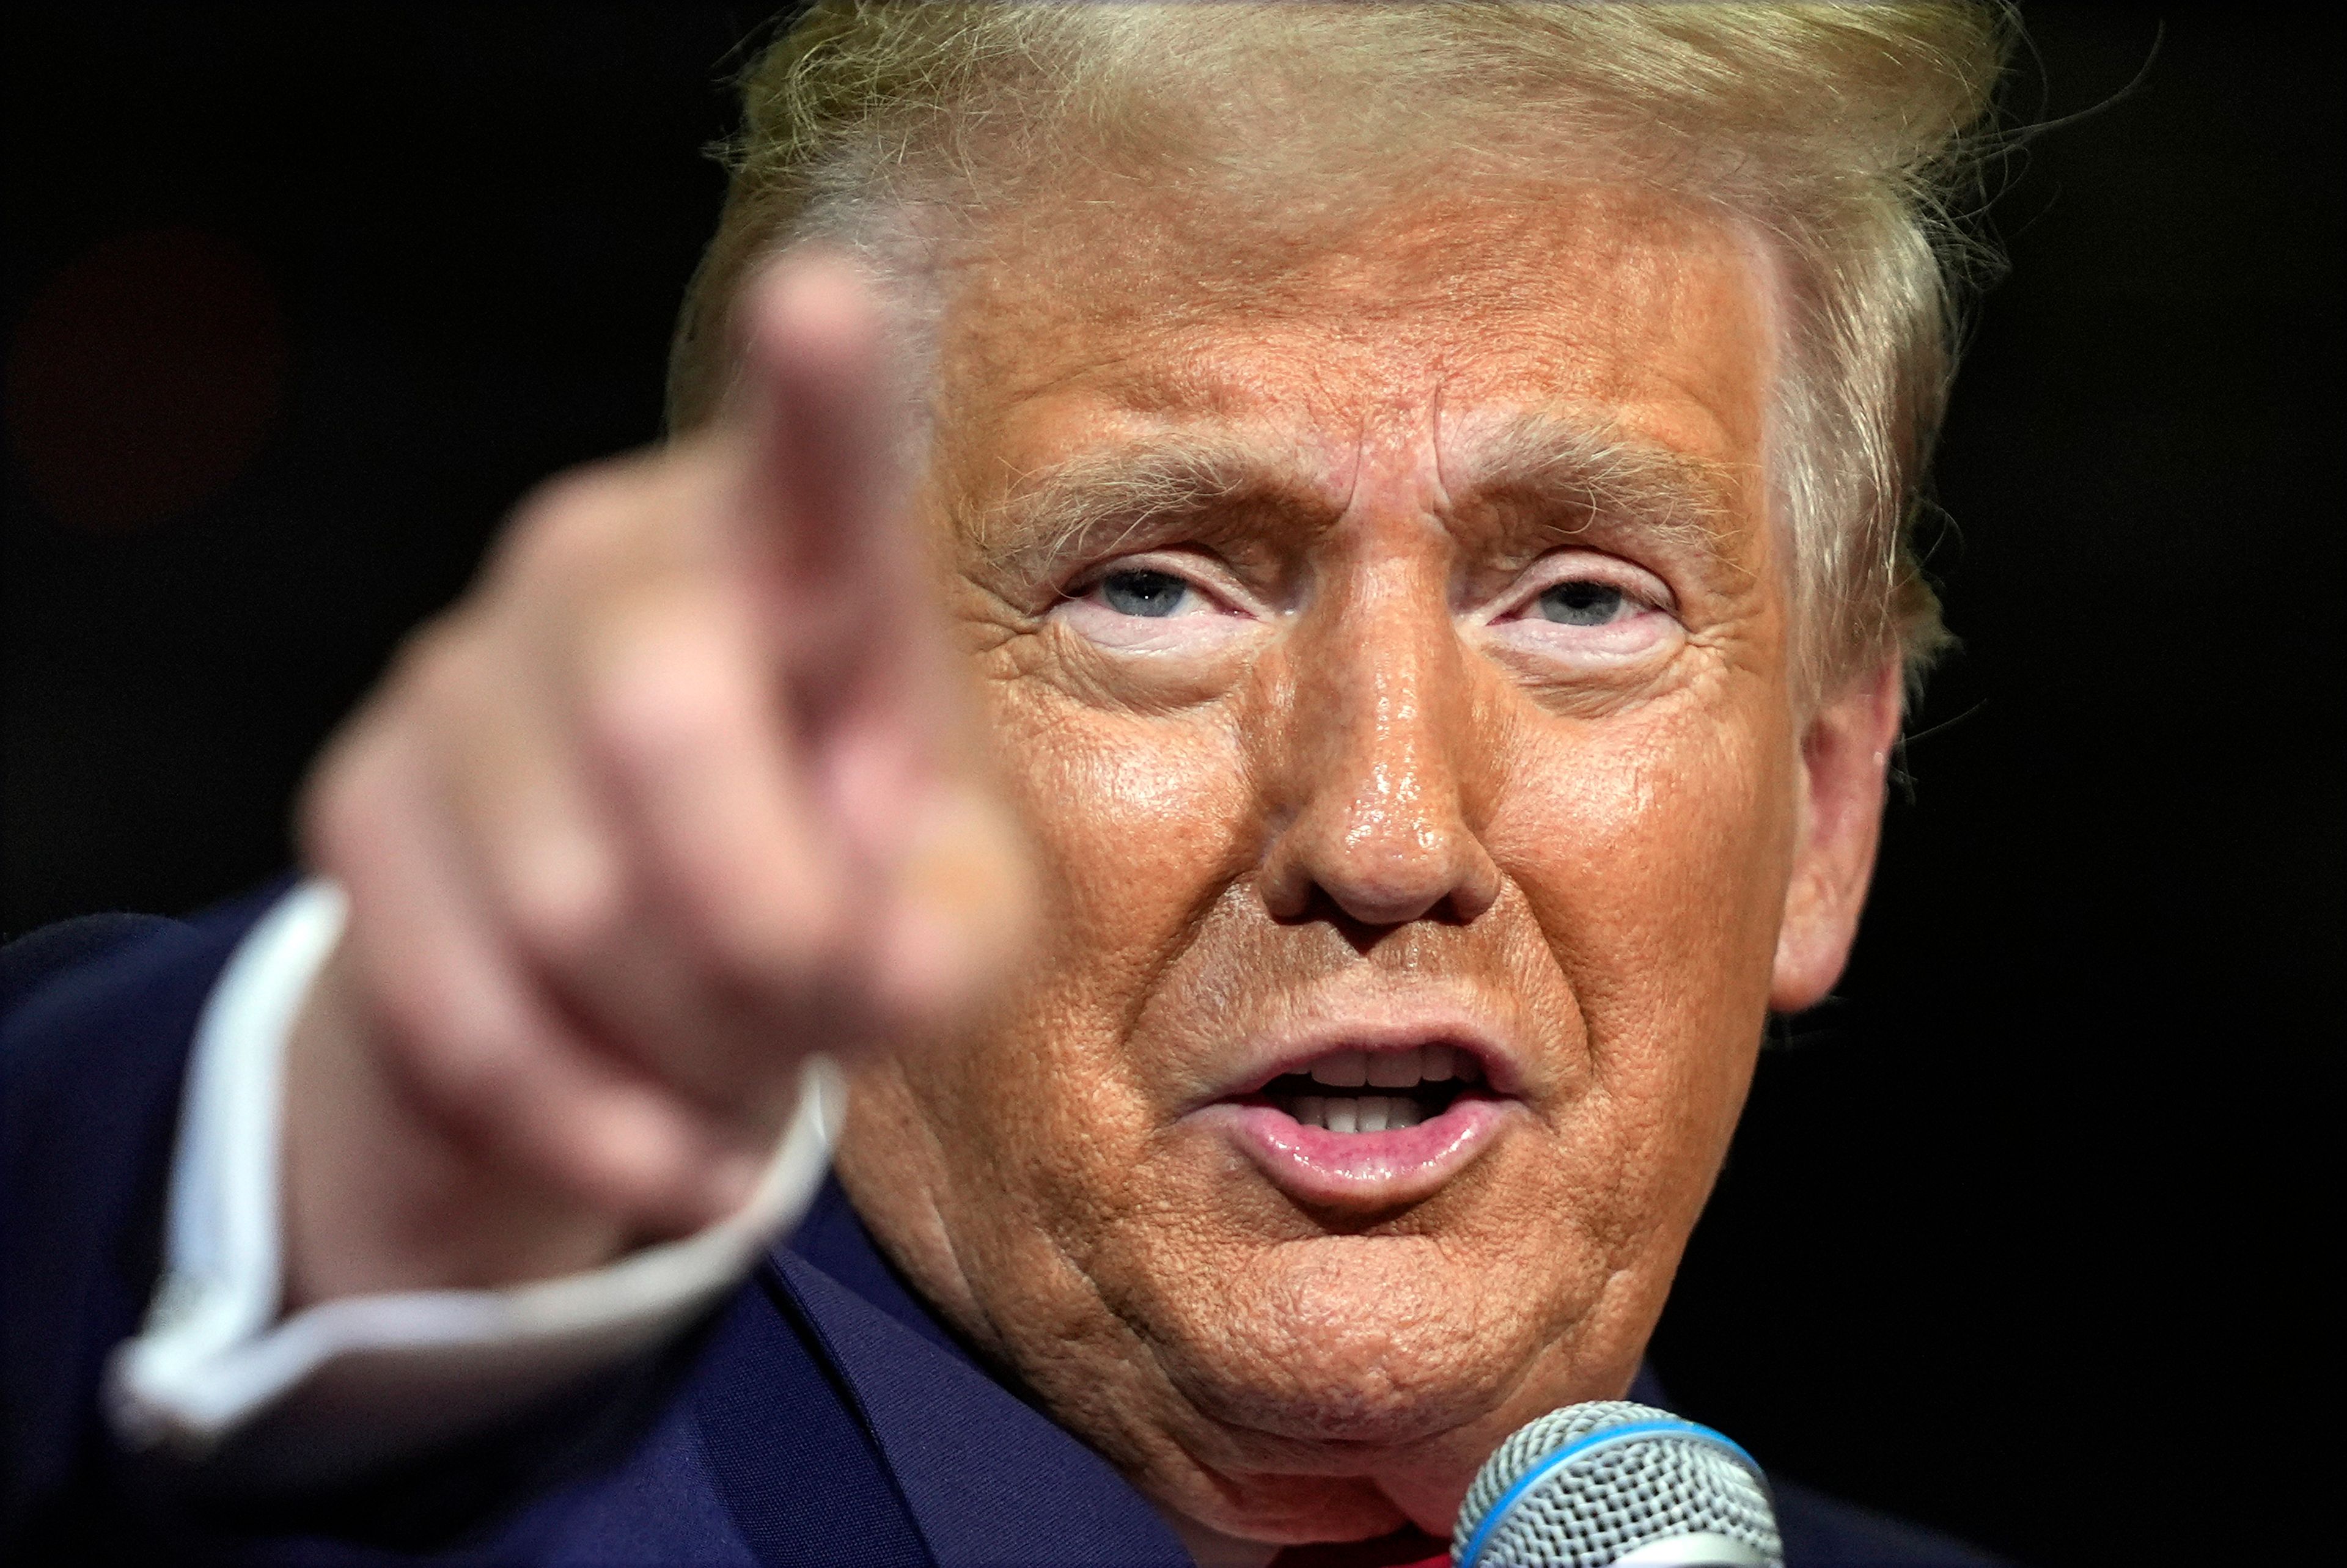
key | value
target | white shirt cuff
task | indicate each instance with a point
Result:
(362, 1379)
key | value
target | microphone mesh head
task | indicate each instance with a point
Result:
(1616, 1497)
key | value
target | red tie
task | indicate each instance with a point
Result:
(1410, 1548)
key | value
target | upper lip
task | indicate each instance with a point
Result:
(1396, 1027)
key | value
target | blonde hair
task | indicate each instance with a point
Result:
(1846, 134)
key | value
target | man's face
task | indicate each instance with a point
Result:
(1387, 646)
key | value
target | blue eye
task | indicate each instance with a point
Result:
(1155, 594)
(1581, 604)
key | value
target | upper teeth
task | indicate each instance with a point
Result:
(1392, 1069)
(1358, 1112)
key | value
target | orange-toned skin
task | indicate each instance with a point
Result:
(1355, 796)
(1358, 781)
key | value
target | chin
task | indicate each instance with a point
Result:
(1375, 1342)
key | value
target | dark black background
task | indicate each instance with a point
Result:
(2014, 1233)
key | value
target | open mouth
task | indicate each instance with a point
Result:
(1372, 1124)
(1375, 1091)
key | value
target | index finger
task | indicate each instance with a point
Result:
(822, 488)
(851, 597)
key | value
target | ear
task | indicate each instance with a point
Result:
(1845, 757)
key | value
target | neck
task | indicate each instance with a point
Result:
(1210, 1548)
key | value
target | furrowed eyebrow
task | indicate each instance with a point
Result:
(1092, 503)
(1597, 470)
(1575, 472)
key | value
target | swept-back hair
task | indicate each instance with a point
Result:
(1847, 135)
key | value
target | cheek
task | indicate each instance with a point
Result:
(1139, 819)
(1653, 853)
(1140, 824)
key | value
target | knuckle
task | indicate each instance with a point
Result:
(626, 1154)
(459, 1057)
(470, 1074)
(582, 526)
(656, 687)
(435, 671)
(557, 525)
(565, 902)
(757, 951)
(499, 1095)
(345, 804)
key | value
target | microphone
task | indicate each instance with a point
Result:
(1613, 1484)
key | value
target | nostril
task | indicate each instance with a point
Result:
(1453, 881)
(1372, 870)
(1402, 889)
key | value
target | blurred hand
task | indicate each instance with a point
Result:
(684, 790)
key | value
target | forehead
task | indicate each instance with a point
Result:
(1418, 319)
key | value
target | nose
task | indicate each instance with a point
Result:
(1378, 765)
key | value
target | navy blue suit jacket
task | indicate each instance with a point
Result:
(821, 1415)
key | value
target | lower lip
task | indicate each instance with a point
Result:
(1359, 1169)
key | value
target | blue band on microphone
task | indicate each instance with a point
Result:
(1582, 1445)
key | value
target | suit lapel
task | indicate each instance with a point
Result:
(988, 1481)
(841, 1420)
